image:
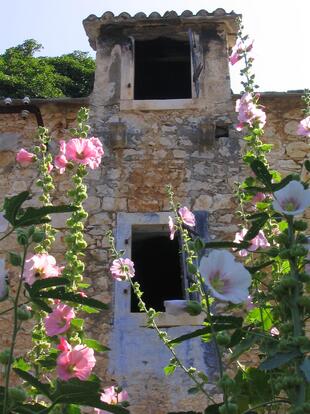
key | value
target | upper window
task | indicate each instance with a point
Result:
(162, 69)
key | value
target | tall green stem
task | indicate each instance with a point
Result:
(295, 312)
(14, 335)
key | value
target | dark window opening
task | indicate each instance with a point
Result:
(221, 132)
(162, 69)
(157, 265)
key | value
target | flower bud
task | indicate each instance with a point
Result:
(193, 308)
(4, 356)
(222, 338)
(17, 395)
(300, 225)
(23, 314)
(230, 408)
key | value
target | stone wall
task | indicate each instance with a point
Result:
(144, 151)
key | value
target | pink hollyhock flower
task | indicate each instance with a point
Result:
(257, 242)
(249, 112)
(64, 345)
(292, 199)
(40, 266)
(84, 151)
(237, 51)
(59, 320)
(187, 216)
(122, 269)
(24, 158)
(304, 127)
(226, 279)
(172, 228)
(111, 396)
(49, 167)
(258, 198)
(76, 362)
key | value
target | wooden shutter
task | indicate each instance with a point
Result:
(197, 60)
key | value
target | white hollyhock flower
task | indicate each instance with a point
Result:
(292, 199)
(3, 282)
(226, 279)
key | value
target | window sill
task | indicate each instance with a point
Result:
(161, 104)
(165, 320)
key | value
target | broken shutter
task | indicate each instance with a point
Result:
(201, 229)
(197, 60)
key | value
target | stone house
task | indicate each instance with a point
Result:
(163, 108)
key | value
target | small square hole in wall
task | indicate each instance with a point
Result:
(162, 69)
(157, 265)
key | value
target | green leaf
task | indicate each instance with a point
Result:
(33, 215)
(73, 409)
(199, 244)
(15, 259)
(89, 310)
(60, 293)
(97, 346)
(212, 409)
(12, 205)
(254, 269)
(278, 360)
(243, 346)
(192, 269)
(307, 165)
(77, 323)
(232, 321)
(305, 367)
(257, 225)
(261, 316)
(42, 305)
(261, 172)
(20, 363)
(169, 369)
(190, 335)
(40, 386)
(46, 283)
(226, 244)
(73, 386)
(30, 409)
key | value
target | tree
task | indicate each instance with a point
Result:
(21, 73)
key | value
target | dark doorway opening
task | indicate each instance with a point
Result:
(158, 268)
(162, 69)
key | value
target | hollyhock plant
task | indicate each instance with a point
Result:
(76, 362)
(24, 158)
(237, 51)
(122, 269)
(292, 199)
(40, 266)
(59, 320)
(226, 279)
(111, 396)
(172, 228)
(249, 112)
(304, 127)
(257, 242)
(187, 216)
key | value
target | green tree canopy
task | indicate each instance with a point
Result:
(23, 74)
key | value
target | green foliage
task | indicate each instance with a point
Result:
(21, 73)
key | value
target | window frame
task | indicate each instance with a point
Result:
(127, 101)
(122, 290)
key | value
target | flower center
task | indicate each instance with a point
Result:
(290, 204)
(39, 273)
(219, 283)
(80, 155)
(71, 368)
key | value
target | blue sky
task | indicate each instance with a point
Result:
(279, 27)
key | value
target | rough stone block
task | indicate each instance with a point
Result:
(8, 141)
